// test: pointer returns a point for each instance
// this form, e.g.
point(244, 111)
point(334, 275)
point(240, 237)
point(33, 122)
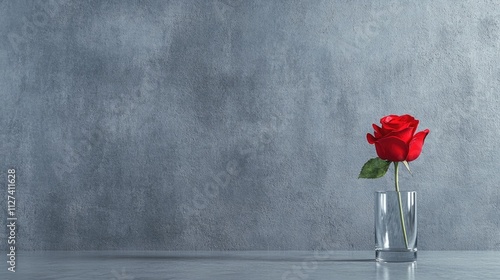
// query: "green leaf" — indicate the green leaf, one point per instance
point(374, 168)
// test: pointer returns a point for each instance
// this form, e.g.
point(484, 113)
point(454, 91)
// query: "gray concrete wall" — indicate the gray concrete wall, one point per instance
point(240, 125)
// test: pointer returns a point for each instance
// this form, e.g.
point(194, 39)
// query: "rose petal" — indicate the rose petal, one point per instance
point(414, 125)
point(378, 131)
point(391, 148)
point(406, 118)
point(416, 144)
point(388, 119)
point(405, 135)
point(370, 138)
point(396, 123)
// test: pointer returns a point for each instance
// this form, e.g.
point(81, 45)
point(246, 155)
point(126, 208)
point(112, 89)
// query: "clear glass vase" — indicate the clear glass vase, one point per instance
point(396, 226)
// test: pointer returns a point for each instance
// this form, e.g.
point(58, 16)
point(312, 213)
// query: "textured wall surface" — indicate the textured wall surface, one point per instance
point(231, 124)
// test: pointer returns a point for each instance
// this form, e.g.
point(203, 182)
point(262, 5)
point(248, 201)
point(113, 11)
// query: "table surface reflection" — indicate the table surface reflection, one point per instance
point(292, 265)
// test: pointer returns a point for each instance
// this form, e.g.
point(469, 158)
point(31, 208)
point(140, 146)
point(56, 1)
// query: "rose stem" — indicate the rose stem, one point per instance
point(396, 180)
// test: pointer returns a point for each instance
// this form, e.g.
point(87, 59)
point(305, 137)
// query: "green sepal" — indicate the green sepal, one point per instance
point(374, 168)
point(407, 166)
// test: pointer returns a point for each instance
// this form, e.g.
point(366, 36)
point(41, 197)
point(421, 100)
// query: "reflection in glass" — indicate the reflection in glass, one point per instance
point(396, 271)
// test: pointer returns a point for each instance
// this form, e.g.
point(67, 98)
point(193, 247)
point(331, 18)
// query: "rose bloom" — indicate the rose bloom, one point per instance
point(396, 139)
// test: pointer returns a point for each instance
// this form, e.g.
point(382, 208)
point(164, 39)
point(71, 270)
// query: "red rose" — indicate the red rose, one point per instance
point(396, 139)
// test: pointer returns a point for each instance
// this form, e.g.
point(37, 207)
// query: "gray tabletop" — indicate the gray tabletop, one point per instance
point(292, 265)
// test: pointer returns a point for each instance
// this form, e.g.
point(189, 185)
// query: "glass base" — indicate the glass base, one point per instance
point(396, 255)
